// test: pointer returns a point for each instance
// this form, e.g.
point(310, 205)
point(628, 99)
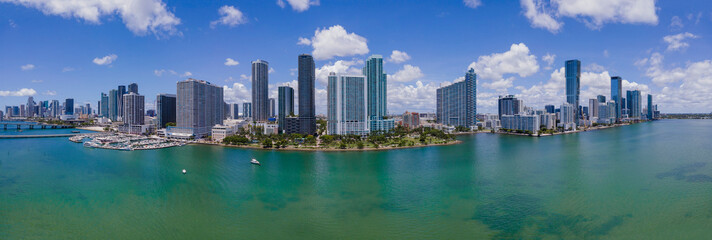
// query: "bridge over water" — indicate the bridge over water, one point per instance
point(33, 125)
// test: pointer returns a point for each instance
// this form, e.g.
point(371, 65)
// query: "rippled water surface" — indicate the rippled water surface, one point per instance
point(646, 181)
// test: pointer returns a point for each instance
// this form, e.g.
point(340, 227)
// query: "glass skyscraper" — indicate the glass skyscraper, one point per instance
point(104, 105)
point(134, 109)
point(376, 84)
point(573, 86)
point(510, 105)
point(133, 88)
point(246, 110)
point(165, 109)
point(120, 101)
point(307, 107)
point(616, 96)
point(69, 106)
point(650, 107)
point(199, 106)
point(634, 104)
point(113, 104)
point(285, 105)
point(260, 97)
point(457, 103)
point(346, 96)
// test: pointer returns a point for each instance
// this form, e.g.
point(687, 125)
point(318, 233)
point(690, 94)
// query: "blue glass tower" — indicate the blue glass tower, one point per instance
point(573, 86)
point(616, 94)
point(307, 106)
point(376, 86)
point(285, 104)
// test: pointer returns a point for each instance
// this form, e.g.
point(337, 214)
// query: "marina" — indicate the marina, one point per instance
point(124, 142)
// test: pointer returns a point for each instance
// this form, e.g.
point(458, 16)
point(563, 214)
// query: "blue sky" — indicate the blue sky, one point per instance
point(55, 50)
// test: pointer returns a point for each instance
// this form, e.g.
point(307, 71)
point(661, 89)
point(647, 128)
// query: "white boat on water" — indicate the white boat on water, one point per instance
point(254, 161)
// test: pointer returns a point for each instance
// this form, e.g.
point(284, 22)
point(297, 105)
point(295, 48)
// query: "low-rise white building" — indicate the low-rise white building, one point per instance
point(220, 132)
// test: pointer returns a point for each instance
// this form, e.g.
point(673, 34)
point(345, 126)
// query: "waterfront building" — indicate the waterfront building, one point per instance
point(247, 110)
point(234, 110)
point(650, 108)
point(199, 107)
point(133, 109)
point(634, 104)
point(376, 96)
point(69, 106)
point(121, 90)
point(30, 107)
point(291, 125)
point(509, 105)
point(285, 108)
point(529, 123)
point(165, 109)
point(307, 108)
point(547, 120)
point(550, 108)
point(592, 108)
point(568, 116)
point(410, 120)
point(457, 103)
point(104, 105)
point(573, 86)
point(346, 98)
point(220, 132)
point(133, 88)
point(272, 109)
point(617, 96)
point(260, 97)
point(113, 105)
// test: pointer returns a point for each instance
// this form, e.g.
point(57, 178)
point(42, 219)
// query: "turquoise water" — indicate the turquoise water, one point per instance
point(646, 181)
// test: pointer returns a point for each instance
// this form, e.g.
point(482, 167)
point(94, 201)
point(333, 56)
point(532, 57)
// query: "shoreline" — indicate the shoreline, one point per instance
point(563, 133)
point(326, 149)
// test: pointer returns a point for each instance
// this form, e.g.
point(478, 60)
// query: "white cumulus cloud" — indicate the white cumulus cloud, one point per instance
point(139, 16)
point(24, 92)
point(416, 97)
point(472, 3)
point(341, 66)
point(677, 41)
point(335, 42)
point(407, 74)
point(298, 5)
point(229, 16)
point(546, 14)
point(549, 59)
point(399, 57)
point(27, 67)
point(517, 60)
point(231, 62)
point(106, 60)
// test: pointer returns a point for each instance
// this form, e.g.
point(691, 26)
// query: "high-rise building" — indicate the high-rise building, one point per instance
point(307, 106)
point(199, 107)
point(568, 116)
point(87, 109)
point(114, 105)
point(134, 109)
point(376, 84)
point(509, 105)
point(650, 108)
point(69, 106)
point(550, 108)
point(601, 98)
point(457, 103)
point(573, 86)
point(133, 88)
point(410, 120)
point(30, 107)
point(347, 102)
point(634, 104)
point(104, 105)
point(247, 110)
point(272, 107)
point(260, 98)
point(234, 110)
point(121, 90)
point(165, 109)
point(55, 109)
point(592, 108)
point(285, 99)
point(616, 96)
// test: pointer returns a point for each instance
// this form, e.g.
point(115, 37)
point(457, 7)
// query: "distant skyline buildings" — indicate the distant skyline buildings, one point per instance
point(285, 105)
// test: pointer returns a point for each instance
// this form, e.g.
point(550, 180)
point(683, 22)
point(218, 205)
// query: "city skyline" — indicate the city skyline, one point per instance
point(650, 55)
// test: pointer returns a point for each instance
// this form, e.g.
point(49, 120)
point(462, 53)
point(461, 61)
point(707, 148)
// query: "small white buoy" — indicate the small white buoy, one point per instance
point(184, 171)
